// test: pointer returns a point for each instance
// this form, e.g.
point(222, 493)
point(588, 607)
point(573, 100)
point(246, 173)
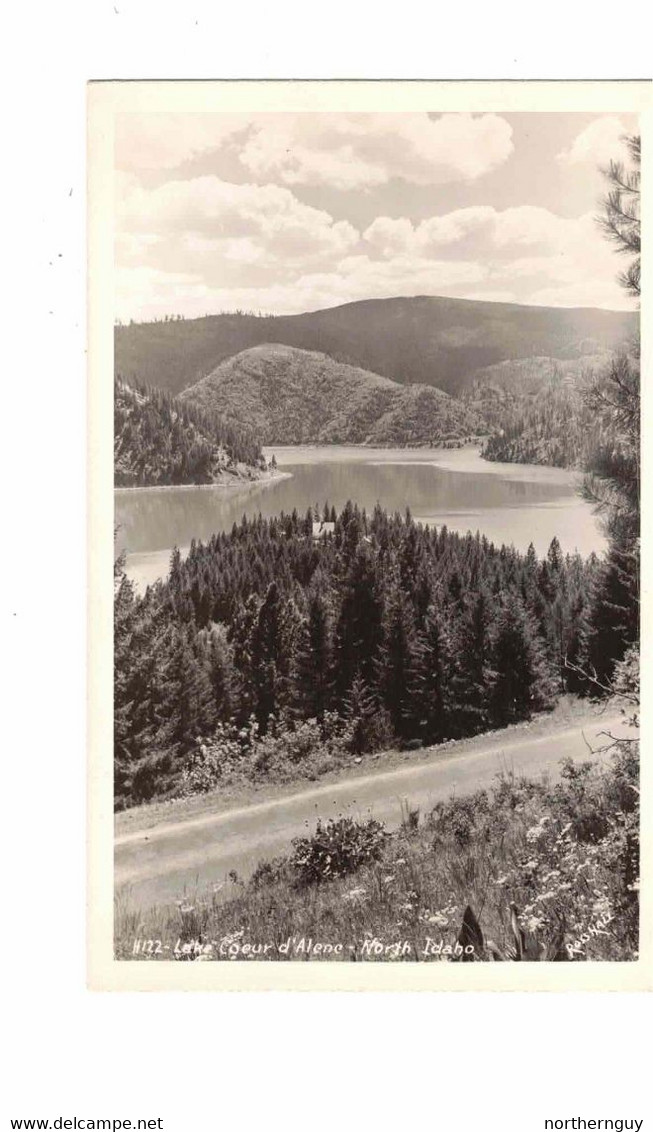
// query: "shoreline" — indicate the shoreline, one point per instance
point(221, 484)
point(448, 459)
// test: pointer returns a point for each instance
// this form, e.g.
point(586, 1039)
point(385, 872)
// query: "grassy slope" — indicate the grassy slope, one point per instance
point(565, 856)
point(291, 396)
point(428, 339)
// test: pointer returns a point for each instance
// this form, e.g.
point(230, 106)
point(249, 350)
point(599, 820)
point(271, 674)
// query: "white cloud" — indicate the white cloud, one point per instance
point(388, 236)
point(204, 245)
point(349, 151)
point(266, 217)
point(486, 228)
point(145, 293)
point(344, 151)
point(165, 141)
point(597, 144)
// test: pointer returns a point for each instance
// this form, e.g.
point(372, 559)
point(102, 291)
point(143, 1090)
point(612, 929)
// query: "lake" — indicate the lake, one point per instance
point(511, 503)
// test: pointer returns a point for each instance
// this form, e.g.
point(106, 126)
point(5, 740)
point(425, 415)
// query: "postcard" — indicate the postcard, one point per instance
point(364, 536)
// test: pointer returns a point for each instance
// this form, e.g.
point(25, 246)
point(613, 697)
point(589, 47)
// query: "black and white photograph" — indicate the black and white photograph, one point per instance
point(371, 377)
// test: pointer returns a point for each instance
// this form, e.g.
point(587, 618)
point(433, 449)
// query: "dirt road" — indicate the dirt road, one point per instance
point(173, 859)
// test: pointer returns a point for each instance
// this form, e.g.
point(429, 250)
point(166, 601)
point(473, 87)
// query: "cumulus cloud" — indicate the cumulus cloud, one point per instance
point(156, 294)
point(264, 217)
point(597, 144)
point(165, 141)
point(203, 244)
point(530, 254)
point(343, 151)
point(489, 232)
point(358, 151)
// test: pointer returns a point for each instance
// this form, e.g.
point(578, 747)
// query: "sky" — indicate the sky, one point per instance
point(282, 213)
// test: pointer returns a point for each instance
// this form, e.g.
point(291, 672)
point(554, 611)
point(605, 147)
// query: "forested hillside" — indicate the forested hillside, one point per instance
point(426, 339)
point(536, 410)
point(540, 413)
point(291, 396)
point(288, 654)
point(158, 440)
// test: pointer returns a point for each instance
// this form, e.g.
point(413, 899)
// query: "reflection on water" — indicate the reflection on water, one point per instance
point(465, 494)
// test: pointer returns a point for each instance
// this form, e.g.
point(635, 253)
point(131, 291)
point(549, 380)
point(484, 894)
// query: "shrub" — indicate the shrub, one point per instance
point(217, 759)
point(268, 873)
point(288, 749)
point(458, 818)
point(336, 849)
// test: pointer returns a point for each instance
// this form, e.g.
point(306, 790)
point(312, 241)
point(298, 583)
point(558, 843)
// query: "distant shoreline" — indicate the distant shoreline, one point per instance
point(225, 485)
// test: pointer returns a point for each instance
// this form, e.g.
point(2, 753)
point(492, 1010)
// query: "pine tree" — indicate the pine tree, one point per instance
point(239, 636)
point(266, 653)
point(613, 617)
point(123, 619)
point(186, 708)
point(360, 708)
point(472, 676)
point(522, 682)
point(312, 676)
point(612, 481)
point(396, 658)
point(221, 671)
point(432, 679)
point(620, 220)
point(358, 629)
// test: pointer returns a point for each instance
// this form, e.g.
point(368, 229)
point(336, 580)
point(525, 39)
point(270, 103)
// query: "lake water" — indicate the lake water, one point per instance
point(511, 503)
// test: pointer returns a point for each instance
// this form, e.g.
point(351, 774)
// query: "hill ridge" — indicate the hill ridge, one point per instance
point(294, 396)
point(428, 340)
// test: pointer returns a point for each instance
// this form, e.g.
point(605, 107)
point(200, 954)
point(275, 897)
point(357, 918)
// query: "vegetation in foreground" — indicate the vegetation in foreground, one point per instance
point(550, 873)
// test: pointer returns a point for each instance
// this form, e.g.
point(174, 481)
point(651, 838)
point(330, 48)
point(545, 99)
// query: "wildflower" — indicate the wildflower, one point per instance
point(602, 906)
point(354, 893)
point(551, 876)
point(535, 832)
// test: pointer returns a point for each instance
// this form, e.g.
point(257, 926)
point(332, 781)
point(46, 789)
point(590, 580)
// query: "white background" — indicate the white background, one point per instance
point(203, 1062)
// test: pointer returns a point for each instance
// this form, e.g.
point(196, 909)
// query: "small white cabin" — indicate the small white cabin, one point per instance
point(322, 530)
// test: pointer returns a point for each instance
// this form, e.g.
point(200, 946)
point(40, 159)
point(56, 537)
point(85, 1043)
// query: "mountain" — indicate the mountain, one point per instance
point(158, 440)
point(292, 396)
point(425, 339)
